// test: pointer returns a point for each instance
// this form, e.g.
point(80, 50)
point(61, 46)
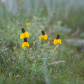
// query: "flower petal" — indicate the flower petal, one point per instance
point(26, 34)
point(27, 44)
point(55, 42)
point(27, 24)
point(22, 36)
point(45, 37)
point(22, 44)
point(60, 41)
point(40, 37)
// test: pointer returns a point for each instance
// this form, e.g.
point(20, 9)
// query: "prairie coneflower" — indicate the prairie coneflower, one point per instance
point(25, 43)
point(27, 23)
point(24, 34)
point(57, 40)
point(43, 36)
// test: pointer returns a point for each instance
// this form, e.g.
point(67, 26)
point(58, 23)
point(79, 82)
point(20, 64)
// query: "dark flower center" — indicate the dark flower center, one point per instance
point(43, 33)
point(23, 30)
point(57, 36)
point(25, 40)
point(27, 21)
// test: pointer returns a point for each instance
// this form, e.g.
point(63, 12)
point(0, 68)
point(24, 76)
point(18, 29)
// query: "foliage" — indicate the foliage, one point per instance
point(42, 62)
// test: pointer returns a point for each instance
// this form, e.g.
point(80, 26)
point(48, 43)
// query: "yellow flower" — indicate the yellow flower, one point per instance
point(57, 41)
point(25, 34)
point(27, 24)
point(25, 44)
point(43, 36)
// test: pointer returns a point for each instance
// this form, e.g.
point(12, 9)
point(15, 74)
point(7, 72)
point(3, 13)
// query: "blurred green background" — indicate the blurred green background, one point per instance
point(64, 17)
point(70, 12)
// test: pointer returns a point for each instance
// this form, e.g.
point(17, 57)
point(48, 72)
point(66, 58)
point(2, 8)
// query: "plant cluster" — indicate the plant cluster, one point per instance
point(43, 36)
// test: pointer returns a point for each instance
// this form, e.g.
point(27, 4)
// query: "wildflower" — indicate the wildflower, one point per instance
point(25, 43)
point(24, 34)
point(57, 40)
point(27, 23)
point(43, 36)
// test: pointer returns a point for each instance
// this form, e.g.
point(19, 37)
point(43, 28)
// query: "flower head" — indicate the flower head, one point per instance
point(27, 23)
point(57, 40)
point(24, 34)
point(25, 43)
point(43, 36)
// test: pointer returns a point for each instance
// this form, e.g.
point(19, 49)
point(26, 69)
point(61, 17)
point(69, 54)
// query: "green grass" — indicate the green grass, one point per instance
point(37, 64)
point(40, 63)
